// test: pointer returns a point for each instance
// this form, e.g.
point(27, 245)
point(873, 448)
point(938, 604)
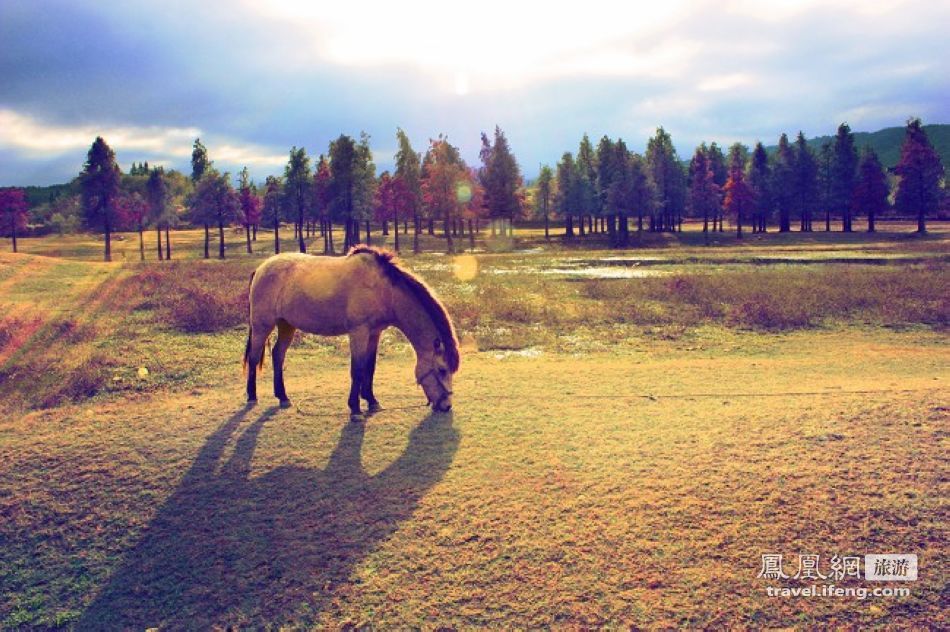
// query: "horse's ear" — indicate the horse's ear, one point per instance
point(437, 344)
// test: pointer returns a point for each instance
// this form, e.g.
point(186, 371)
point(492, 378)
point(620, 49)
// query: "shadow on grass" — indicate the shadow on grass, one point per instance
point(226, 549)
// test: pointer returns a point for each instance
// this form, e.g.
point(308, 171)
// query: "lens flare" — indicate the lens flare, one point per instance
point(465, 267)
point(463, 192)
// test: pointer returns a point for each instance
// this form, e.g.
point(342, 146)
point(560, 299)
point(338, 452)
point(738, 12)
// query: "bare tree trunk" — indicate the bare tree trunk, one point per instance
point(247, 236)
point(141, 243)
point(276, 236)
point(158, 229)
point(471, 236)
point(254, 236)
point(108, 255)
point(415, 234)
point(13, 229)
point(168, 245)
point(220, 239)
point(369, 238)
point(207, 241)
point(301, 243)
point(396, 229)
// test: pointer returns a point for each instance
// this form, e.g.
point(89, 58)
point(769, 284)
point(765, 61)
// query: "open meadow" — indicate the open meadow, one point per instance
point(632, 431)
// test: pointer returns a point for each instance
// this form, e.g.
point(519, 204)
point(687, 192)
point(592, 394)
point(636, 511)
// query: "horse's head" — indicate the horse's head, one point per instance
point(435, 377)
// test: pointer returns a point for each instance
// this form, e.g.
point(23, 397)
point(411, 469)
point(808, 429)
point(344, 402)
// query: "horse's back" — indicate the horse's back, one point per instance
point(311, 293)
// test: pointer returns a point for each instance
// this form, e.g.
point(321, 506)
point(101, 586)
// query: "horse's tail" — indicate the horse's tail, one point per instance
point(247, 346)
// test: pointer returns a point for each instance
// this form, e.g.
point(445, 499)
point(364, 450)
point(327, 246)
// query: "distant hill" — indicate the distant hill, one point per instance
point(886, 143)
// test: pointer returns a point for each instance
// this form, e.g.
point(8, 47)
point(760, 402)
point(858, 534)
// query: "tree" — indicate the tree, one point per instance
point(100, 188)
point(920, 171)
point(760, 181)
point(704, 193)
point(135, 211)
point(200, 164)
point(826, 181)
point(364, 187)
point(297, 189)
point(717, 164)
point(642, 191)
point(870, 189)
point(844, 165)
point(669, 181)
point(271, 211)
point(157, 196)
point(215, 202)
point(443, 170)
point(501, 179)
point(385, 201)
point(250, 207)
point(739, 197)
point(545, 195)
point(588, 200)
point(806, 182)
point(322, 200)
point(343, 160)
point(13, 208)
point(783, 183)
point(408, 173)
point(567, 200)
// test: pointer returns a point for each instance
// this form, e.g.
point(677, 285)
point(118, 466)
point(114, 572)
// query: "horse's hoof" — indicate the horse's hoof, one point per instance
point(285, 403)
point(373, 408)
point(357, 418)
point(251, 403)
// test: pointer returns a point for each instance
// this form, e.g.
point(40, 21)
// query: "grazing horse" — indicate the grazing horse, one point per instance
point(361, 295)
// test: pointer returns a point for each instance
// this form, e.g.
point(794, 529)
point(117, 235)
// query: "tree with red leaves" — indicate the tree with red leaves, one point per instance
point(100, 188)
point(13, 209)
point(384, 201)
point(443, 170)
point(739, 197)
point(703, 194)
point(870, 188)
point(920, 172)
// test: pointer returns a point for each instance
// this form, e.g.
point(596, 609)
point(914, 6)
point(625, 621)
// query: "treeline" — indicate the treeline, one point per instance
point(606, 189)
point(603, 189)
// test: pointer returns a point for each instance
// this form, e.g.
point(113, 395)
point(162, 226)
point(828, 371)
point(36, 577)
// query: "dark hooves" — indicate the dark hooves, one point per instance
point(373, 408)
point(251, 403)
point(357, 417)
point(285, 403)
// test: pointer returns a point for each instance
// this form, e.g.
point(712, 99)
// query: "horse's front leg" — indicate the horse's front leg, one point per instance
point(359, 341)
point(368, 371)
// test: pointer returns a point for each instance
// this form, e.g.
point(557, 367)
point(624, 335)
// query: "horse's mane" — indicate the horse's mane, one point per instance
point(399, 275)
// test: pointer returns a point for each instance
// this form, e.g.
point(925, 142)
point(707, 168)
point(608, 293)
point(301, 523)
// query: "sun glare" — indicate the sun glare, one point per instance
point(465, 267)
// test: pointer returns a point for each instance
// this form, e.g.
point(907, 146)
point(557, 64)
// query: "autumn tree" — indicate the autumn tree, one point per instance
point(384, 201)
point(250, 207)
point(443, 170)
point(921, 172)
point(870, 188)
point(739, 198)
point(13, 212)
point(100, 188)
point(544, 196)
point(844, 168)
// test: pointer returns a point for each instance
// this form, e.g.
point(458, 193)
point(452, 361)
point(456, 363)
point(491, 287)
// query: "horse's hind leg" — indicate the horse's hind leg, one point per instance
point(285, 335)
point(256, 339)
point(369, 369)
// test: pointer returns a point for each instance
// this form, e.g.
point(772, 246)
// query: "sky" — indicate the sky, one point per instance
point(252, 79)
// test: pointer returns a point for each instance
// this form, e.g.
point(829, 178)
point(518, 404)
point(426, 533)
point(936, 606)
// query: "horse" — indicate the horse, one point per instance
point(360, 294)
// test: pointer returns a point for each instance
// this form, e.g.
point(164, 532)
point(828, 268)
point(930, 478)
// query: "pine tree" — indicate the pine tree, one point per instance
point(783, 183)
point(157, 192)
point(544, 196)
point(566, 201)
point(408, 166)
point(760, 181)
point(870, 190)
point(297, 178)
point(100, 189)
point(844, 167)
point(920, 170)
point(738, 194)
point(806, 182)
point(669, 181)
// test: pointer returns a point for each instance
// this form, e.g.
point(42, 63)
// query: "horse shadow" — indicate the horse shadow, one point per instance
point(226, 549)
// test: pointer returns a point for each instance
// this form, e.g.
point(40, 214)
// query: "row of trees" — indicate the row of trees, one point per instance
point(602, 188)
point(598, 189)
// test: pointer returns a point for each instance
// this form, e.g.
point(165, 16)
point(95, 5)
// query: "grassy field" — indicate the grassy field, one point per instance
point(632, 431)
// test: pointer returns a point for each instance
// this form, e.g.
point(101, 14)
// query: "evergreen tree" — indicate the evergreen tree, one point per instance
point(921, 172)
point(844, 167)
point(271, 211)
point(408, 167)
point(567, 199)
point(806, 182)
point(215, 202)
point(826, 182)
point(587, 183)
point(200, 164)
point(717, 164)
point(738, 201)
point(704, 193)
point(500, 177)
point(669, 181)
point(100, 189)
point(760, 181)
point(783, 183)
point(545, 196)
point(323, 200)
point(870, 190)
point(343, 167)
point(158, 199)
point(297, 189)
